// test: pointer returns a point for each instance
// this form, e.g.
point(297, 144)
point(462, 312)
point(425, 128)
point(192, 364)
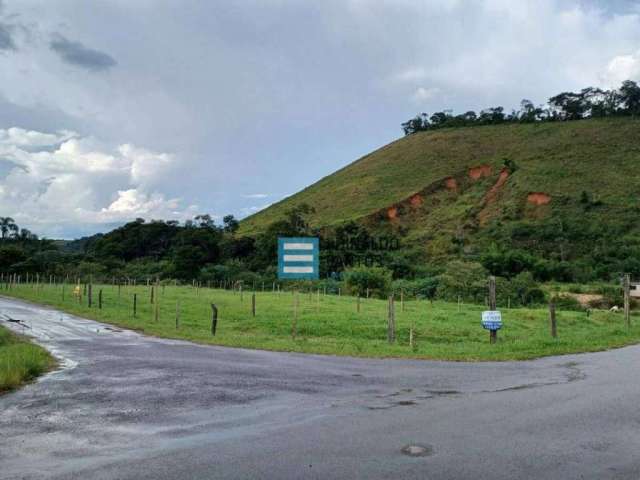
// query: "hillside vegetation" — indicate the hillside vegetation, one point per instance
point(555, 188)
point(600, 157)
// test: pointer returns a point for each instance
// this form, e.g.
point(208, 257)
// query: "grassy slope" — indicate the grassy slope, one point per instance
point(561, 159)
point(20, 360)
point(334, 327)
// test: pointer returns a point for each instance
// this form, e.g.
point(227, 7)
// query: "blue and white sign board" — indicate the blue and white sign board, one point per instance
point(298, 258)
point(491, 320)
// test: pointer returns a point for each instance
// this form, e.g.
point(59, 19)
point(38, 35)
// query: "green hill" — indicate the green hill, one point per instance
point(552, 186)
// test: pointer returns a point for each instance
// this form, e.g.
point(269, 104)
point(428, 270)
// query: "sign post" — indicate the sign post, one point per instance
point(492, 321)
point(492, 318)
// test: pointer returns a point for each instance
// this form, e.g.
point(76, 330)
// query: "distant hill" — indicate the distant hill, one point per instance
point(553, 187)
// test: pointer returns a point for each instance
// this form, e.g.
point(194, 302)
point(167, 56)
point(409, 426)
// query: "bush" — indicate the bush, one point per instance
point(465, 279)
point(565, 302)
point(419, 288)
point(358, 279)
point(535, 296)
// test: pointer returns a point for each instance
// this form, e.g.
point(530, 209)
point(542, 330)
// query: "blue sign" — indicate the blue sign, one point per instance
point(298, 258)
point(491, 320)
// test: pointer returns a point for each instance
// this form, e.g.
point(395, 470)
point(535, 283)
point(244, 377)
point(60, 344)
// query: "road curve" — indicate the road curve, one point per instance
point(128, 406)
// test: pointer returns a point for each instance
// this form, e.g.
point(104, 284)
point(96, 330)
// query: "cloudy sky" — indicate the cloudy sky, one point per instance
point(117, 109)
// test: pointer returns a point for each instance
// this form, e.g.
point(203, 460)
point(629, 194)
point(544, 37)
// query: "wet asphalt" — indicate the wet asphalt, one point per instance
point(127, 406)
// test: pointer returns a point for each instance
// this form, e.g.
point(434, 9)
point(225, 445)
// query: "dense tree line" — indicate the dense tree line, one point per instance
point(198, 249)
point(588, 103)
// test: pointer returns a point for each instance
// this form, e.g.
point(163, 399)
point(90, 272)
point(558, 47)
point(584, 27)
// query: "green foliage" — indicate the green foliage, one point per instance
point(11, 255)
point(20, 360)
point(566, 302)
point(467, 280)
point(360, 278)
point(420, 288)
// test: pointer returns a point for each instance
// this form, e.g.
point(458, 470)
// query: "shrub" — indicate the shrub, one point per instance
point(360, 278)
point(565, 302)
point(535, 296)
point(465, 279)
point(420, 288)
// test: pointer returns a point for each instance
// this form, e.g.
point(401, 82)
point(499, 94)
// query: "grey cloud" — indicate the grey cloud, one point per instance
point(6, 38)
point(75, 53)
point(7, 165)
point(39, 117)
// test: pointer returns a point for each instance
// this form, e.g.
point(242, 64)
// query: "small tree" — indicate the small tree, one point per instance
point(377, 280)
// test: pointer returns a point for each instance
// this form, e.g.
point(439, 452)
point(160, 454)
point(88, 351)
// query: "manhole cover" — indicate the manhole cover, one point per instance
point(416, 450)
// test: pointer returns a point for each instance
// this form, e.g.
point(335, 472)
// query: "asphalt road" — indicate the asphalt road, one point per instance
point(127, 406)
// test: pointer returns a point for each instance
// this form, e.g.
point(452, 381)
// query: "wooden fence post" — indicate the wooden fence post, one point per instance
point(89, 295)
point(177, 314)
point(358, 304)
point(493, 334)
point(412, 335)
point(214, 319)
point(552, 318)
point(100, 299)
point(294, 321)
point(391, 327)
point(627, 300)
point(253, 304)
point(135, 304)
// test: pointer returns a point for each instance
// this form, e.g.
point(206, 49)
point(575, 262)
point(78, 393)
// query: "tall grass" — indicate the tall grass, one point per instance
point(330, 324)
point(20, 360)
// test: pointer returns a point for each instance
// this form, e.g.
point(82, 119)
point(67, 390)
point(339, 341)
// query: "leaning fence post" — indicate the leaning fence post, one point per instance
point(214, 319)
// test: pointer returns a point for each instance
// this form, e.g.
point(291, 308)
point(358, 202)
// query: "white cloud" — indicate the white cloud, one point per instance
point(145, 166)
point(423, 94)
point(256, 195)
point(63, 178)
point(27, 138)
point(621, 68)
point(246, 211)
point(412, 74)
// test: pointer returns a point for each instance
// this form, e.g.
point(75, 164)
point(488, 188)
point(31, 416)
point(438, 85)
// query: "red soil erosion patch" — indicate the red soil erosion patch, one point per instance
point(481, 171)
point(416, 200)
point(451, 184)
point(538, 198)
point(491, 195)
point(392, 213)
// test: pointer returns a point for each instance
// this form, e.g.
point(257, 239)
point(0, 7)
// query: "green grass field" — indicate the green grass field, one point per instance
point(20, 360)
point(331, 325)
